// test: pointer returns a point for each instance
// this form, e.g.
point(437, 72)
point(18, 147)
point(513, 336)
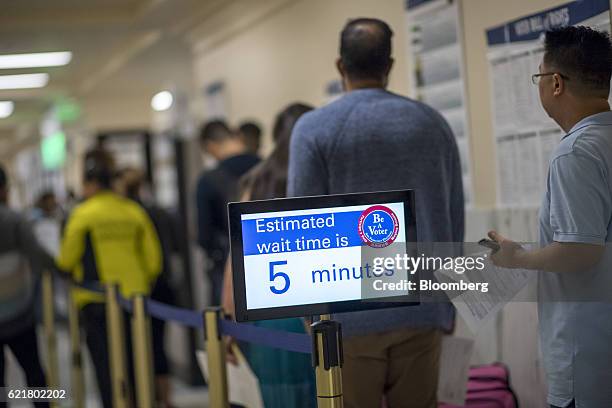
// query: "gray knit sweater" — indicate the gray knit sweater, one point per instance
point(374, 140)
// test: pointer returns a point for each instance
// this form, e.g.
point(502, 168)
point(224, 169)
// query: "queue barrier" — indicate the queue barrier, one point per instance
point(116, 348)
point(77, 379)
point(48, 317)
point(143, 353)
point(279, 339)
point(326, 343)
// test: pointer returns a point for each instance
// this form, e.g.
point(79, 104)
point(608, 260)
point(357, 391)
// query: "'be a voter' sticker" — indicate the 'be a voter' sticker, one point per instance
point(378, 226)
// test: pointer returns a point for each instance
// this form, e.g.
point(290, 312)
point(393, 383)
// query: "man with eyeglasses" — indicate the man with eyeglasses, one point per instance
point(575, 278)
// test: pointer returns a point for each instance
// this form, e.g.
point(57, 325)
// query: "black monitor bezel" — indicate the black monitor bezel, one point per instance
point(235, 210)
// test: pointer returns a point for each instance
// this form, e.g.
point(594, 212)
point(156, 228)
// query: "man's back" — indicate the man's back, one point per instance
point(215, 189)
point(21, 260)
point(373, 140)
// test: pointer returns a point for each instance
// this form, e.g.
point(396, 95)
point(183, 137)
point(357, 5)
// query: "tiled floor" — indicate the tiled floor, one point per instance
point(184, 396)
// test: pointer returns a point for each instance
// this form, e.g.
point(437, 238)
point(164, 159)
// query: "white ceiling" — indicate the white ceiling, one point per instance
point(122, 49)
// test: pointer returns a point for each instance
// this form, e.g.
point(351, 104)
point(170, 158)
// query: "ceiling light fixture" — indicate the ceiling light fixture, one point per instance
point(6, 109)
point(23, 81)
point(162, 101)
point(35, 60)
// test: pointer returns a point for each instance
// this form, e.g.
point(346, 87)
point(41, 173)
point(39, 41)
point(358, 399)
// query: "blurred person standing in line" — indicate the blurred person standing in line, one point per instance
point(21, 263)
point(286, 379)
point(215, 189)
point(48, 219)
point(130, 184)
point(109, 239)
point(251, 135)
point(574, 258)
point(373, 140)
point(47, 206)
point(71, 201)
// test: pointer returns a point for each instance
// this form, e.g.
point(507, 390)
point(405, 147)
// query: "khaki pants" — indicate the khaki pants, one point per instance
point(402, 364)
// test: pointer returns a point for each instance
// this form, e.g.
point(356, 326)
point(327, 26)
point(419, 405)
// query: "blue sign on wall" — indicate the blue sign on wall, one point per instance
point(530, 27)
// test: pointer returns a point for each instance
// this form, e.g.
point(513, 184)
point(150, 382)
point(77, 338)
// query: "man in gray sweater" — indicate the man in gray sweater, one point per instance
point(373, 140)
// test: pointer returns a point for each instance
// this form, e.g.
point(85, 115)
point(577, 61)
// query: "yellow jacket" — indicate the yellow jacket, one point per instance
point(109, 238)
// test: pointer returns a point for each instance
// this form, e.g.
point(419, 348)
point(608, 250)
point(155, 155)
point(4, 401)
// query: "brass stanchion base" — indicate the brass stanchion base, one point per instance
point(49, 330)
point(215, 350)
point(327, 360)
point(116, 342)
point(76, 367)
point(143, 357)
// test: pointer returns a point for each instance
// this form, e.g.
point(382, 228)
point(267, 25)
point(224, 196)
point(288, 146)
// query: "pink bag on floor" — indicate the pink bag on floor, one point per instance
point(488, 387)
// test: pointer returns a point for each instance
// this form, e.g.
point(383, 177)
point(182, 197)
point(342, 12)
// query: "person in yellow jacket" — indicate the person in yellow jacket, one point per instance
point(108, 239)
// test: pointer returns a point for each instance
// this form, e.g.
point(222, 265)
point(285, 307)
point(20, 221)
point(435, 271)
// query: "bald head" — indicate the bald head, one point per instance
point(365, 49)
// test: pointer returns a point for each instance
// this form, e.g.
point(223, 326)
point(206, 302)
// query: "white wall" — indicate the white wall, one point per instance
point(289, 55)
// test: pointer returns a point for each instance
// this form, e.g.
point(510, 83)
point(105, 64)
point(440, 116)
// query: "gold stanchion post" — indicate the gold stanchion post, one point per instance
point(116, 346)
point(215, 350)
point(76, 360)
point(143, 356)
point(327, 360)
point(49, 330)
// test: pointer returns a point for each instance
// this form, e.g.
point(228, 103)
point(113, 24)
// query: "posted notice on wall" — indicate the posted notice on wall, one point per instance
point(524, 134)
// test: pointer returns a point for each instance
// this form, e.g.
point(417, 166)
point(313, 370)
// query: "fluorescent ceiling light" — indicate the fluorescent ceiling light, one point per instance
point(34, 60)
point(22, 81)
point(162, 101)
point(6, 109)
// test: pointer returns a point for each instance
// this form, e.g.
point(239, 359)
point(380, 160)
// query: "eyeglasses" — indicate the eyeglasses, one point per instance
point(535, 78)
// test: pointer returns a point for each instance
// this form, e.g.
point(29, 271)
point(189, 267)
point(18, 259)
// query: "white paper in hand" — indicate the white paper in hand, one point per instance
point(477, 307)
point(454, 367)
point(242, 383)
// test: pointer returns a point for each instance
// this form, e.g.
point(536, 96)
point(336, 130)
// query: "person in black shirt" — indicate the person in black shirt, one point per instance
point(215, 189)
point(251, 134)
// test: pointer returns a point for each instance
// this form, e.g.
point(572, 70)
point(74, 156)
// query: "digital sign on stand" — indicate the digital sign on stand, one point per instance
point(313, 255)
point(317, 256)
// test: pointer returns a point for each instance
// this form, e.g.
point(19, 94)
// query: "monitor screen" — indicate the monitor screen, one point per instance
point(316, 255)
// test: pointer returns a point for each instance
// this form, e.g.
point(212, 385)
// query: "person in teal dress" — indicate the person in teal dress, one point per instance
point(286, 378)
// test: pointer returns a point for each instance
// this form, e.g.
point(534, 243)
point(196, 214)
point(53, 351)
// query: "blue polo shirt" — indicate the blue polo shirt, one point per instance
point(575, 321)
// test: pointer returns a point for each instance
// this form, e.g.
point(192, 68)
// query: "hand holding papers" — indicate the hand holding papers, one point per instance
point(476, 307)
